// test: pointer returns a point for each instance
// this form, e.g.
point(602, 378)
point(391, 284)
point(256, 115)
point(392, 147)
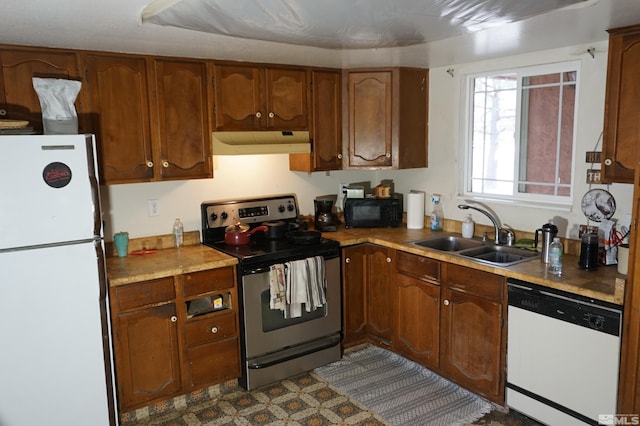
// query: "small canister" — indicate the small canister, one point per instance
point(588, 252)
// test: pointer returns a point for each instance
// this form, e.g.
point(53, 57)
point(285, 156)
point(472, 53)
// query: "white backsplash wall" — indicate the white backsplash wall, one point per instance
point(125, 206)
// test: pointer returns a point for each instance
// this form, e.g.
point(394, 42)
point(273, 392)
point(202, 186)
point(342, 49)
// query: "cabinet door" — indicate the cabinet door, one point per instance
point(238, 104)
point(183, 119)
point(18, 98)
point(118, 99)
point(326, 131)
point(370, 119)
point(622, 107)
point(380, 292)
point(417, 325)
point(353, 279)
point(286, 99)
point(146, 354)
point(471, 336)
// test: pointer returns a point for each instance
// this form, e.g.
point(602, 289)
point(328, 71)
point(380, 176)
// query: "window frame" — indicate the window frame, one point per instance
point(516, 198)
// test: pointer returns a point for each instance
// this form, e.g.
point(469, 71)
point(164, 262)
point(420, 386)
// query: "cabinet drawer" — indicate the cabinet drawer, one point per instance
point(214, 363)
point(479, 283)
point(418, 266)
point(207, 281)
point(144, 293)
point(210, 329)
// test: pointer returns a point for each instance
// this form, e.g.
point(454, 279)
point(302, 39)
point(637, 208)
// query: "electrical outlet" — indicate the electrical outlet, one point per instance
point(153, 207)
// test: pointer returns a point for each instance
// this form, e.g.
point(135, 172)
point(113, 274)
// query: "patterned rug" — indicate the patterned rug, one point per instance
point(401, 391)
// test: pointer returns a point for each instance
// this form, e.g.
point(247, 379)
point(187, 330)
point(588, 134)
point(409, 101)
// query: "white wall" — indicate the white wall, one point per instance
point(125, 206)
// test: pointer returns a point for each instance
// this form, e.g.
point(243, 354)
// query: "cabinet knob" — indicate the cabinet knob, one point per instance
point(174, 318)
point(3, 112)
point(608, 162)
point(446, 302)
point(258, 114)
point(165, 164)
point(347, 260)
point(271, 115)
point(149, 164)
point(387, 155)
point(339, 156)
point(214, 329)
point(388, 260)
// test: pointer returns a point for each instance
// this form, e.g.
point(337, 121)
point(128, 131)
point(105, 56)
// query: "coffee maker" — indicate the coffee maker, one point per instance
point(325, 218)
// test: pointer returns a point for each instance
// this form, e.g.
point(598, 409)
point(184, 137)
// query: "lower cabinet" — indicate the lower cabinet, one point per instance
point(472, 333)
point(418, 311)
point(174, 335)
point(446, 317)
point(368, 294)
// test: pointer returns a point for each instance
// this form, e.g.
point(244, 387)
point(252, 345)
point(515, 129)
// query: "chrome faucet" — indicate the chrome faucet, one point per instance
point(487, 214)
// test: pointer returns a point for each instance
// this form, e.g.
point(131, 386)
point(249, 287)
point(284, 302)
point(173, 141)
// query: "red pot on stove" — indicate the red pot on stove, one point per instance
point(239, 233)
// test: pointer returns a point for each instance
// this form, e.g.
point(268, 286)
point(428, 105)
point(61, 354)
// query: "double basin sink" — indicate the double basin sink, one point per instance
point(483, 252)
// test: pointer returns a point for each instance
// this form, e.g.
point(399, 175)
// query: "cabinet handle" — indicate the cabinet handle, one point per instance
point(339, 156)
point(387, 155)
point(446, 302)
point(258, 114)
point(214, 329)
point(174, 318)
point(347, 260)
point(149, 164)
point(271, 115)
point(608, 162)
point(165, 164)
point(388, 260)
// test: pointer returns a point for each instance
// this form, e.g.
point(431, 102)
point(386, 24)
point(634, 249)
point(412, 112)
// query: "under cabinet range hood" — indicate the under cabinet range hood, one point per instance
point(260, 142)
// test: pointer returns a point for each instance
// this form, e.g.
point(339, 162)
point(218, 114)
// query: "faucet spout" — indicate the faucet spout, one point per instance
point(487, 214)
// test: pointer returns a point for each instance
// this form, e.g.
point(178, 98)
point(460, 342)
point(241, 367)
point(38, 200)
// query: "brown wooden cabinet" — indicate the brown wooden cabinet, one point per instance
point(621, 137)
point(18, 99)
point(326, 130)
point(170, 338)
point(150, 116)
point(417, 324)
point(369, 294)
point(472, 336)
point(256, 97)
point(387, 118)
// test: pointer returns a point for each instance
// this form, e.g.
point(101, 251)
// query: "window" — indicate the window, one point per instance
point(520, 139)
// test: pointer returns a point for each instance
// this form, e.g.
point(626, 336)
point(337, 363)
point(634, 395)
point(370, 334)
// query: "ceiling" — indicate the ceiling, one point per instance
point(117, 25)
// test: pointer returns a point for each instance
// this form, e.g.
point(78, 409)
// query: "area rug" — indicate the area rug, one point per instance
point(401, 391)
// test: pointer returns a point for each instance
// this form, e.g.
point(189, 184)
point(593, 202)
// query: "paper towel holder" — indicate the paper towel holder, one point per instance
point(415, 209)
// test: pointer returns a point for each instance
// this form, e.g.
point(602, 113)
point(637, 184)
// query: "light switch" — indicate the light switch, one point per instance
point(153, 207)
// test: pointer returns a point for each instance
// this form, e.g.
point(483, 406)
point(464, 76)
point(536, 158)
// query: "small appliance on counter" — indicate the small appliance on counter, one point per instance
point(325, 219)
point(373, 212)
point(548, 231)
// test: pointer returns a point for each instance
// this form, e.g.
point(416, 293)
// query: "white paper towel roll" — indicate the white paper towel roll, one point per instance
point(415, 209)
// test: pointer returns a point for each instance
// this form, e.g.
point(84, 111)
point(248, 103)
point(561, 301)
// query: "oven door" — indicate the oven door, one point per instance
point(267, 331)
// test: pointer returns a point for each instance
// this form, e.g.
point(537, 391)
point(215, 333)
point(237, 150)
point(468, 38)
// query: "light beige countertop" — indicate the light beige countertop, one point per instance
point(603, 284)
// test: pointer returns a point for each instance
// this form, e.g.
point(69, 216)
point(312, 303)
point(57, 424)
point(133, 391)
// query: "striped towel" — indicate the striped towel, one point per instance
point(296, 283)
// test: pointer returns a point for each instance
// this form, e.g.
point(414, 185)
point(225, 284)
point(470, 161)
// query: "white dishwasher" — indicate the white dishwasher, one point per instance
point(563, 354)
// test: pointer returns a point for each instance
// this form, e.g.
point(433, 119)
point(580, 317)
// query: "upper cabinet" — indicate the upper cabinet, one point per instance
point(255, 97)
point(150, 116)
point(18, 99)
point(117, 94)
point(326, 131)
point(387, 118)
point(622, 106)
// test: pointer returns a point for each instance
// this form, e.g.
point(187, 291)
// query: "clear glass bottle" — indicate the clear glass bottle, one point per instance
point(555, 257)
point(178, 233)
point(436, 213)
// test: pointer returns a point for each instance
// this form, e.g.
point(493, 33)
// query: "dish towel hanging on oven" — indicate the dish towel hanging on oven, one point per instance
point(295, 283)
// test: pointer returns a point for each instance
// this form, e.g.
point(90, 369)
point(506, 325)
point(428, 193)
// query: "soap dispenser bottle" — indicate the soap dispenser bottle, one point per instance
point(467, 227)
point(436, 213)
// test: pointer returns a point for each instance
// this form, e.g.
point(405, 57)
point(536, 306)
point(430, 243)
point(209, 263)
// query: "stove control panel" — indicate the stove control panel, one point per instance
point(217, 214)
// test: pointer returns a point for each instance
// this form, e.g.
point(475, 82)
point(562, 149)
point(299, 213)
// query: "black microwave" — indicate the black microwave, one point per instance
point(373, 212)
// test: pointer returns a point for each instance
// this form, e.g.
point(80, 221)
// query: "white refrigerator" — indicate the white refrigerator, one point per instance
point(55, 342)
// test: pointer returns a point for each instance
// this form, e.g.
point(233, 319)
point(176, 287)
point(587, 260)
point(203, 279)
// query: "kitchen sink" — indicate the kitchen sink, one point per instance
point(499, 255)
point(484, 252)
point(449, 243)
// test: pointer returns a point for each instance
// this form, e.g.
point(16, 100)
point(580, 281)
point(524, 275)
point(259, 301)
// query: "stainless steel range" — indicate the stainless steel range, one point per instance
point(275, 346)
